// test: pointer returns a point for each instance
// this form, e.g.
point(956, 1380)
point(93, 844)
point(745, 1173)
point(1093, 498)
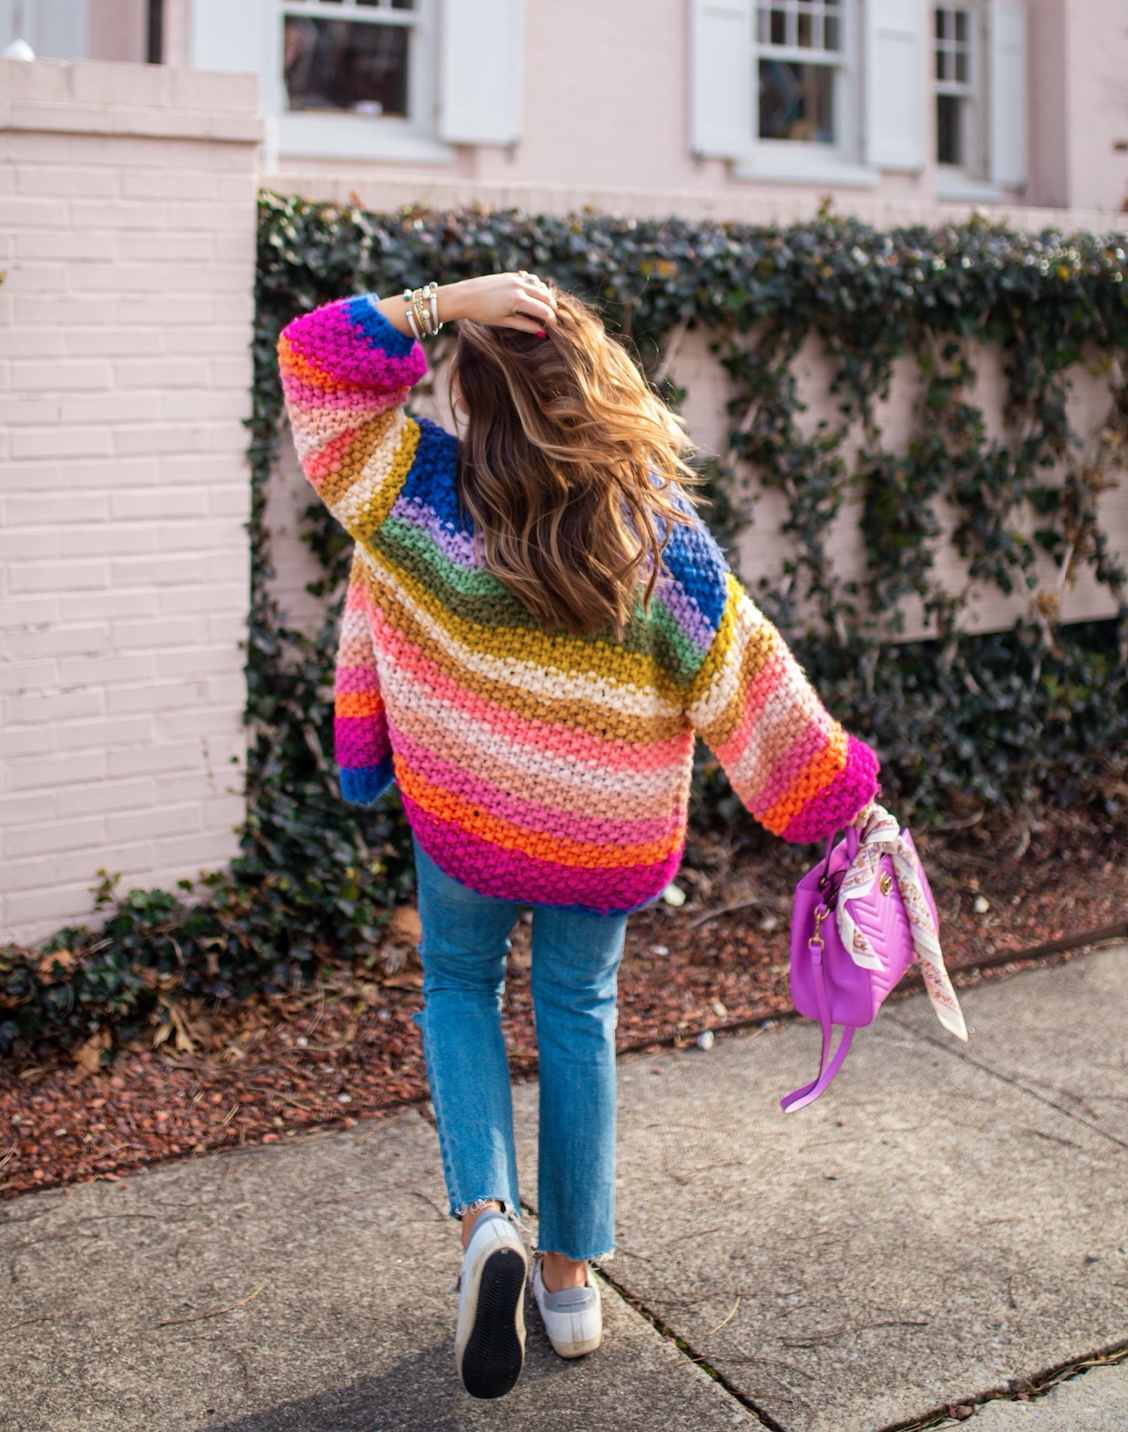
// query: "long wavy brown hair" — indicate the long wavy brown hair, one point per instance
point(573, 470)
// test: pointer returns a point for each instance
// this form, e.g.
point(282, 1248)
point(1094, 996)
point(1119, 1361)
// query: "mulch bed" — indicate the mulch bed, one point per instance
point(272, 1067)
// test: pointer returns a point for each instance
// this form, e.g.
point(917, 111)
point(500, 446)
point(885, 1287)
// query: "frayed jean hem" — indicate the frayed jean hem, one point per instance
point(476, 1205)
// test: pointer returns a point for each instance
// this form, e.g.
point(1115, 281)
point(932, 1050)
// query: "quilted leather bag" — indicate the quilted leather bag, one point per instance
point(860, 919)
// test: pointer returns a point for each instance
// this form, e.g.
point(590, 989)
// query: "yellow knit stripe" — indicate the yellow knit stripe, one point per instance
point(553, 668)
point(363, 508)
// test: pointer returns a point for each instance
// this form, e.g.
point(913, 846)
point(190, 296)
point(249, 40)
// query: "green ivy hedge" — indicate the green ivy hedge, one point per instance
point(963, 724)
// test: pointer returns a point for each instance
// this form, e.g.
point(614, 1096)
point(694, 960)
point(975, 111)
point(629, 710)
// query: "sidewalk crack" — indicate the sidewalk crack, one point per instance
point(689, 1352)
point(1010, 1079)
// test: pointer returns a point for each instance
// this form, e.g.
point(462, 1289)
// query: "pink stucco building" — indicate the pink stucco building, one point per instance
point(975, 101)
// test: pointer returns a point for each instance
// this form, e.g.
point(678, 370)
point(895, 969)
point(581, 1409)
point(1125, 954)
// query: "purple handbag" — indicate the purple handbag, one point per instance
point(827, 983)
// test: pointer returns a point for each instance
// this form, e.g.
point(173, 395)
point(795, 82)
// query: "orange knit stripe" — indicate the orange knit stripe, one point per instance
point(291, 361)
point(815, 778)
point(446, 806)
point(358, 703)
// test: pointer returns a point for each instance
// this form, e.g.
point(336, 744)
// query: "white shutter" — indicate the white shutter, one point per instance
point(894, 87)
point(1007, 94)
point(720, 83)
point(233, 34)
point(480, 72)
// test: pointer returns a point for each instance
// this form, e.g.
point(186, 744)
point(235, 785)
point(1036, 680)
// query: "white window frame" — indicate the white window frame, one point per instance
point(968, 180)
point(309, 134)
point(807, 162)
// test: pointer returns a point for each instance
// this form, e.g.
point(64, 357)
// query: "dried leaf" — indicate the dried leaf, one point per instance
point(405, 979)
point(65, 959)
point(87, 1056)
point(177, 1028)
point(405, 926)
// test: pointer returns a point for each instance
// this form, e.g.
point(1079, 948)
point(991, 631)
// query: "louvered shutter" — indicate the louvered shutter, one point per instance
point(893, 81)
point(480, 71)
point(1007, 94)
point(721, 78)
point(233, 34)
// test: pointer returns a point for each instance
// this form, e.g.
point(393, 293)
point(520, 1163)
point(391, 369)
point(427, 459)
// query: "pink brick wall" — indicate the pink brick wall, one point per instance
point(127, 236)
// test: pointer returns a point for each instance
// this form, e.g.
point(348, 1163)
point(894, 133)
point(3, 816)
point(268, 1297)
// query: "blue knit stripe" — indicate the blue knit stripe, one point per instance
point(361, 785)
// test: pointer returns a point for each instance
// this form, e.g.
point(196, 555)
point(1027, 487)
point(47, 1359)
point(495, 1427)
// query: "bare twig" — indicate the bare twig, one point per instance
point(216, 1313)
point(769, 902)
point(732, 1314)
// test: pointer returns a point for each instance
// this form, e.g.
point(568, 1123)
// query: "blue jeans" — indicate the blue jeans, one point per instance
point(575, 961)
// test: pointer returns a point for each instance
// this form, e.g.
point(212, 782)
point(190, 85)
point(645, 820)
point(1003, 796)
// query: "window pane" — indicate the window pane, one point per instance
point(796, 102)
point(779, 27)
point(949, 129)
point(940, 18)
point(830, 32)
point(941, 64)
point(342, 65)
point(961, 27)
point(963, 67)
point(806, 32)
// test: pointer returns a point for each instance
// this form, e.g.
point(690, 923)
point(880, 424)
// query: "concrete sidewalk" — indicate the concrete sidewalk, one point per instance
point(946, 1222)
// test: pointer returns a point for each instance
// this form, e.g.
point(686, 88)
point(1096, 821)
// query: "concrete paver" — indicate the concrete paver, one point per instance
point(1062, 1039)
point(1095, 1402)
point(924, 1233)
point(341, 1255)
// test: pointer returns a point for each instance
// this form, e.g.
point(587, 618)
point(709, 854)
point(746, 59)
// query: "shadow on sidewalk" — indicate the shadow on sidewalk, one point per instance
point(423, 1392)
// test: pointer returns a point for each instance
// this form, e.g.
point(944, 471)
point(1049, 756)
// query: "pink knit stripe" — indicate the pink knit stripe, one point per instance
point(353, 679)
point(511, 875)
point(564, 787)
point(792, 764)
point(779, 753)
point(360, 741)
point(318, 403)
point(837, 805)
point(533, 735)
point(331, 331)
point(764, 686)
point(602, 830)
point(318, 465)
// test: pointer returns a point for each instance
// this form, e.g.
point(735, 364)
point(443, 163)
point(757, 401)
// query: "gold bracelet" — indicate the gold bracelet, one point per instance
point(420, 311)
point(411, 323)
point(421, 306)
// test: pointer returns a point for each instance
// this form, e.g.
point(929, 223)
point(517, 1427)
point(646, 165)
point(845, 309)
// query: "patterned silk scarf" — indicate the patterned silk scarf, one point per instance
point(882, 836)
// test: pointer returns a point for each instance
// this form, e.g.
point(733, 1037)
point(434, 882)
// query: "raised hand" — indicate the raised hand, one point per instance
point(503, 300)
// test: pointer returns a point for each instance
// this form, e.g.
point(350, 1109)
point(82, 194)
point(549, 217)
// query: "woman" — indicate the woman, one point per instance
point(537, 624)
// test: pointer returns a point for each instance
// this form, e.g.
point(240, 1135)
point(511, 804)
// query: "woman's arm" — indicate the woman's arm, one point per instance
point(505, 300)
point(346, 372)
point(792, 765)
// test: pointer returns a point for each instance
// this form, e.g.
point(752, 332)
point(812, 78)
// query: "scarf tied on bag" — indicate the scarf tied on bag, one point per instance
point(882, 836)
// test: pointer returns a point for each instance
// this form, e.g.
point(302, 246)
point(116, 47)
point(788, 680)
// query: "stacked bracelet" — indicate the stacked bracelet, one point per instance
point(422, 308)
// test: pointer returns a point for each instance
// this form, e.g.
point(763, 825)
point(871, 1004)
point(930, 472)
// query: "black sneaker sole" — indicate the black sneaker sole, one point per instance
point(492, 1358)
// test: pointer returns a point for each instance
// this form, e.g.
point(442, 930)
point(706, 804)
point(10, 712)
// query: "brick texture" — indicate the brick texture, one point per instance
point(128, 242)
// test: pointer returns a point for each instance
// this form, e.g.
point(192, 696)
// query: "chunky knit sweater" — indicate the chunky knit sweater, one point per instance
point(533, 765)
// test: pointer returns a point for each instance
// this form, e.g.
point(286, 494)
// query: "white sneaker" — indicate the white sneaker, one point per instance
point(573, 1318)
point(489, 1342)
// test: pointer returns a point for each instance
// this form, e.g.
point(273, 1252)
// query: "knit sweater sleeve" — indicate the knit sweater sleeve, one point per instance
point(794, 767)
point(346, 373)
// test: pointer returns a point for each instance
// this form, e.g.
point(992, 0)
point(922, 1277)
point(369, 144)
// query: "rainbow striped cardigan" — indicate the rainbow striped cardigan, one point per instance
point(533, 765)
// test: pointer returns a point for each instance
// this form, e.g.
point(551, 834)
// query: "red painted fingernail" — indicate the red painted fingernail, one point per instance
point(541, 333)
